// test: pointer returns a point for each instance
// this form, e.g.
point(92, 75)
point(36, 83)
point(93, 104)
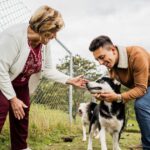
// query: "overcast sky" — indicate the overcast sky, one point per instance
point(126, 22)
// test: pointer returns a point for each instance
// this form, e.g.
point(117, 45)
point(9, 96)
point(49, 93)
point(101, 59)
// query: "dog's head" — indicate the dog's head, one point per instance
point(105, 84)
point(82, 108)
point(87, 108)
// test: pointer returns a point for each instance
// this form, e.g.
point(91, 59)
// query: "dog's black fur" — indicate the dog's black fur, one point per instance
point(90, 110)
point(105, 112)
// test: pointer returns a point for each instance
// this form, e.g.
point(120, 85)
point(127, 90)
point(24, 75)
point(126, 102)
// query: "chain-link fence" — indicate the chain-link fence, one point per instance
point(52, 94)
point(12, 12)
point(49, 93)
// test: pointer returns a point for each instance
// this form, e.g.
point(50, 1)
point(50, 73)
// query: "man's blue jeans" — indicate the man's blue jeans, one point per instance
point(142, 110)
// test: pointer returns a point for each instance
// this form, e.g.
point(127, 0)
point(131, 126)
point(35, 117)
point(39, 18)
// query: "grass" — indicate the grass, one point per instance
point(134, 128)
point(127, 140)
point(47, 127)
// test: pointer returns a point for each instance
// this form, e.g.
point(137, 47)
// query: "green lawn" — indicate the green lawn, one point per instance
point(47, 127)
point(127, 140)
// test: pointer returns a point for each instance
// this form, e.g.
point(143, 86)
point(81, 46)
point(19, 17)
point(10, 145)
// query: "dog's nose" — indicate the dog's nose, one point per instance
point(80, 111)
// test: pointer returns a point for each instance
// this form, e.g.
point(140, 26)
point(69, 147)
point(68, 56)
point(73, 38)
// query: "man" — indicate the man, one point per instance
point(131, 66)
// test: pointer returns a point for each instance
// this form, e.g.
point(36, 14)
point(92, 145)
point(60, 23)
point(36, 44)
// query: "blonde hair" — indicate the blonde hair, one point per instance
point(46, 19)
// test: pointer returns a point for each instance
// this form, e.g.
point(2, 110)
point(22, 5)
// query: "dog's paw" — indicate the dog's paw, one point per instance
point(118, 148)
point(84, 140)
point(89, 148)
point(97, 136)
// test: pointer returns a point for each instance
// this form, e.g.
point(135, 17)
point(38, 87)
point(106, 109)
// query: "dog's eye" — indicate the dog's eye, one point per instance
point(100, 81)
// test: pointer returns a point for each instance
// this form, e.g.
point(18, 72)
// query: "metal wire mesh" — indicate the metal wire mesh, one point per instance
point(52, 94)
point(49, 93)
point(12, 12)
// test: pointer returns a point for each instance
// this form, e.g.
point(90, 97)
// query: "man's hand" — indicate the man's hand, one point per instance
point(78, 81)
point(18, 108)
point(106, 96)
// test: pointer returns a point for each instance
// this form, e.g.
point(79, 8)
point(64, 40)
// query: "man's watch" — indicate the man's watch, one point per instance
point(119, 98)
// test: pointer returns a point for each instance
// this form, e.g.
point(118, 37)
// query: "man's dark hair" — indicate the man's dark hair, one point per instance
point(100, 41)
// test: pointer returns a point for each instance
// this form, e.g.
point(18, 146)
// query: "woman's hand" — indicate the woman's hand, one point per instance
point(78, 81)
point(106, 96)
point(18, 108)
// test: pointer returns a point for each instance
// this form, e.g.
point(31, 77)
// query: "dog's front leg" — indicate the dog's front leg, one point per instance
point(103, 139)
point(84, 132)
point(96, 134)
point(90, 142)
point(116, 141)
point(90, 137)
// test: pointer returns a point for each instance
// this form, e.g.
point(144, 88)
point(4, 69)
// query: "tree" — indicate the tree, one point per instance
point(81, 66)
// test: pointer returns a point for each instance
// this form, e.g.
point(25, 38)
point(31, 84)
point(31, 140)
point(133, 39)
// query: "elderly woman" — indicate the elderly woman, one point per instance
point(24, 59)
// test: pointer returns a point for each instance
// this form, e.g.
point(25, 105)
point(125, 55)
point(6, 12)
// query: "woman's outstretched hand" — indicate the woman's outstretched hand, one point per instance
point(78, 81)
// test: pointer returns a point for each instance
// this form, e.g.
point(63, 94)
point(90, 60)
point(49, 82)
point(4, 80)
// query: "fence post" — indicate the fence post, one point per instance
point(71, 74)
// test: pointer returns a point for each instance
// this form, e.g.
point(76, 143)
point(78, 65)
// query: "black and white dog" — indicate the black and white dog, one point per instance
point(86, 110)
point(107, 116)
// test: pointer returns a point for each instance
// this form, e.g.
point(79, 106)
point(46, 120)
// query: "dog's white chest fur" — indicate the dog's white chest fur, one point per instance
point(85, 119)
point(111, 125)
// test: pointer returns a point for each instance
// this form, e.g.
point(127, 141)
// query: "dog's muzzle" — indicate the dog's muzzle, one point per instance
point(93, 89)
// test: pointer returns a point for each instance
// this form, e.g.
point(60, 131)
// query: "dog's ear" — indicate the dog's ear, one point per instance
point(99, 80)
